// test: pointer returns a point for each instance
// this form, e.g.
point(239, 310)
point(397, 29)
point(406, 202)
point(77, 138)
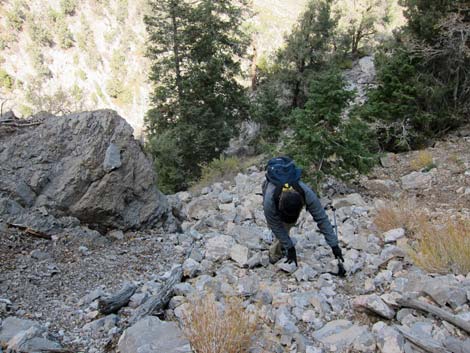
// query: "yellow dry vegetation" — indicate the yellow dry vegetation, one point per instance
point(404, 214)
point(423, 160)
point(444, 248)
point(213, 329)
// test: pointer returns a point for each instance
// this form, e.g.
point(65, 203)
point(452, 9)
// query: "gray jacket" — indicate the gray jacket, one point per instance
point(313, 206)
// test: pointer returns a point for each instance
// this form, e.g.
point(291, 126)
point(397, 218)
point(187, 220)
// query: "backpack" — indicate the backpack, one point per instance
point(282, 170)
point(285, 175)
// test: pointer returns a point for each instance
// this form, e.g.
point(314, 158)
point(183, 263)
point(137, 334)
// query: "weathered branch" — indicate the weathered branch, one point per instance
point(115, 302)
point(161, 299)
point(436, 311)
point(30, 231)
point(429, 345)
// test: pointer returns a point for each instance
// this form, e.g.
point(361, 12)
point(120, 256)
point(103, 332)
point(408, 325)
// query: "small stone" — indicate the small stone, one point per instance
point(116, 234)
point(285, 322)
point(375, 304)
point(184, 289)
point(393, 235)
point(191, 268)
point(83, 250)
point(416, 180)
point(286, 267)
point(239, 254)
point(248, 286)
point(218, 247)
point(225, 197)
point(40, 255)
point(305, 273)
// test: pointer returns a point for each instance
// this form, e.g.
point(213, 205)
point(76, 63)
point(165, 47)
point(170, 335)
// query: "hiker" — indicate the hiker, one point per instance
point(284, 196)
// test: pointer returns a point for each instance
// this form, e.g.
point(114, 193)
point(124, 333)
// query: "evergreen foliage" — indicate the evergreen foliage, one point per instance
point(324, 142)
point(68, 7)
point(306, 48)
point(423, 76)
point(268, 112)
point(194, 48)
point(6, 81)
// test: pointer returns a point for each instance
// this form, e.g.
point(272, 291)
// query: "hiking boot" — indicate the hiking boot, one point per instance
point(275, 252)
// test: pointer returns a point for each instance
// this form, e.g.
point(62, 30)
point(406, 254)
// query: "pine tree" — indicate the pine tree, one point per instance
point(306, 47)
point(324, 142)
point(195, 49)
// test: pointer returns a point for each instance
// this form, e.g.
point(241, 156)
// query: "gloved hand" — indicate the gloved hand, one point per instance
point(292, 256)
point(337, 252)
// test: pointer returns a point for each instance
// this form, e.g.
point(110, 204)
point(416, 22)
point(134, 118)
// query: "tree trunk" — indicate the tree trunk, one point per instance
point(254, 68)
point(161, 299)
point(176, 52)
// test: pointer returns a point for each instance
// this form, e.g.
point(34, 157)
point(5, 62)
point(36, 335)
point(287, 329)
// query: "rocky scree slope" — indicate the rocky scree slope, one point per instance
point(223, 250)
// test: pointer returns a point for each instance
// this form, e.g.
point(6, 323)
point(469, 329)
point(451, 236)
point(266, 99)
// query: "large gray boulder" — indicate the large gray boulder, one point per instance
point(151, 335)
point(85, 165)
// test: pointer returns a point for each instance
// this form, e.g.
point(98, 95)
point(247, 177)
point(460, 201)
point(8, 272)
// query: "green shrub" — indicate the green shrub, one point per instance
point(39, 34)
point(64, 35)
point(99, 92)
point(81, 74)
point(25, 110)
point(125, 97)
point(38, 62)
point(114, 87)
point(68, 6)
point(111, 35)
point(218, 170)
point(17, 16)
point(6, 81)
point(408, 105)
point(266, 110)
point(168, 158)
point(77, 93)
point(325, 143)
point(122, 11)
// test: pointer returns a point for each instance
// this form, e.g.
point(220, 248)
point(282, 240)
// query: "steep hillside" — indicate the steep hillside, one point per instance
point(383, 305)
point(64, 55)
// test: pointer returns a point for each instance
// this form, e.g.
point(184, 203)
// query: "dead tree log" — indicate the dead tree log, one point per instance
point(425, 343)
point(115, 302)
point(161, 299)
point(436, 311)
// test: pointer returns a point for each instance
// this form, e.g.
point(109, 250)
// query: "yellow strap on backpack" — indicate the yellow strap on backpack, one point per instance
point(287, 187)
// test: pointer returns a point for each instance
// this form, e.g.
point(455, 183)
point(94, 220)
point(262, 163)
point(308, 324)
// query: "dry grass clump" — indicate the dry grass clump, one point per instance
point(423, 160)
point(444, 249)
point(213, 329)
point(404, 214)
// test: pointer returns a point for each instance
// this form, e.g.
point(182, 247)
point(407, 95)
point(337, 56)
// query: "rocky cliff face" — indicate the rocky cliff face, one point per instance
point(87, 166)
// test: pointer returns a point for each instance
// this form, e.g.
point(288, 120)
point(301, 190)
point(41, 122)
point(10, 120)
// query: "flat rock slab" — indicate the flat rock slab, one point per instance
point(349, 200)
point(11, 326)
point(374, 304)
point(150, 335)
point(416, 180)
point(339, 333)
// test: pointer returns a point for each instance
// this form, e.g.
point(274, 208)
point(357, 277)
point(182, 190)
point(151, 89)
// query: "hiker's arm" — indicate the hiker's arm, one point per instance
point(274, 222)
point(319, 215)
